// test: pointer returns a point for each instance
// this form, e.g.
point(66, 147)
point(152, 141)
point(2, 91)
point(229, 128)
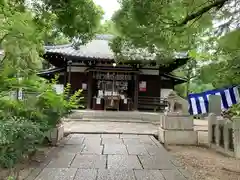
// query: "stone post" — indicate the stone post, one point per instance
point(217, 133)
point(236, 136)
point(211, 120)
point(227, 126)
point(215, 105)
point(219, 121)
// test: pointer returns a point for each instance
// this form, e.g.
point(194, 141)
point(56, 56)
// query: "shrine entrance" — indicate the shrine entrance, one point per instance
point(113, 90)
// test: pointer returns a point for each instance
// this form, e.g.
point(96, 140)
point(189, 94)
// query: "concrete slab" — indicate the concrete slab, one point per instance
point(112, 141)
point(145, 138)
point(136, 149)
point(75, 141)
point(91, 135)
point(110, 136)
point(92, 149)
point(86, 174)
point(57, 174)
point(118, 115)
point(137, 141)
point(129, 136)
point(157, 150)
point(148, 174)
point(84, 161)
point(71, 149)
point(63, 160)
point(115, 149)
point(130, 141)
point(155, 162)
point(92, 140)
point(109, 127)
point(113, 174)
point(123, 162)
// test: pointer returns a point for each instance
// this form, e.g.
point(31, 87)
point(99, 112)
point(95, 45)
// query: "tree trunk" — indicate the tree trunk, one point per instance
point(188, 81)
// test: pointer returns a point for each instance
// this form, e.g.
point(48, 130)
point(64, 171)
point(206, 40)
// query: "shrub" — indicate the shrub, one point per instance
point(18, 138)
point(22, 109)
point(41, 104)
point(55, 106)
point(232, 111)
point(23, 123)
point(72, 101)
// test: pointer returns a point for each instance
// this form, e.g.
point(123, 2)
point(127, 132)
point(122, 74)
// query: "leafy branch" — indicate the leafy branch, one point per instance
point(218, 4)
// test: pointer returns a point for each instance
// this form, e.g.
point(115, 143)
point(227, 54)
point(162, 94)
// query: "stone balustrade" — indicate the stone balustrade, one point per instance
point(224, 135)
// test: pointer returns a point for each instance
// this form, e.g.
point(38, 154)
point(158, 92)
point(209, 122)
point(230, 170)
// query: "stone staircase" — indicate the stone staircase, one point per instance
point(112, 116)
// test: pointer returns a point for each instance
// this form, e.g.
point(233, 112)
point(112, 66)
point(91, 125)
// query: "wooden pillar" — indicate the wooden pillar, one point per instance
point(136, 89)
point(65, 76)
point(69, 71)
point(89, 99)
point(173, 85)
point(160, 83)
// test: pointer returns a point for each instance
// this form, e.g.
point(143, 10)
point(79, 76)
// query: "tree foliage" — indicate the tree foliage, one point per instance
point(20, 40)
point(208, 30)
point(168, 26)
point(75, 18)
point(108, 27)
point(24, 29)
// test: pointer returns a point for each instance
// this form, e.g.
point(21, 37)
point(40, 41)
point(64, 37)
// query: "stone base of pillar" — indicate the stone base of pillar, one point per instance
point(177, 129)
point(177, 137)
point(55, 134)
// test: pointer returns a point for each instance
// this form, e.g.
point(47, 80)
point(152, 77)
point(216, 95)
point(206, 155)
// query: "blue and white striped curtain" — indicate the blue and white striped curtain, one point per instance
point(199, 103)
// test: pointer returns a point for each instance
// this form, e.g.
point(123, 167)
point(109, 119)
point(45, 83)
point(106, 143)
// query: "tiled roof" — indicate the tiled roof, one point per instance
point(99, 48)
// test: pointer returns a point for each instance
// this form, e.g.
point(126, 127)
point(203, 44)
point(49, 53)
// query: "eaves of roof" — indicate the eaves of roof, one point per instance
point(99, 48)
point(177, 79)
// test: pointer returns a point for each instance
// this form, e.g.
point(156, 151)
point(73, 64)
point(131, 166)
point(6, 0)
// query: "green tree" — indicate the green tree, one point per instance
point(173, 25)
point(208, 30)
point(25, 28)
point(108, 27)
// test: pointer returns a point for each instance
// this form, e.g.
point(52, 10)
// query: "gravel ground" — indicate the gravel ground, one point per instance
point(205, 164)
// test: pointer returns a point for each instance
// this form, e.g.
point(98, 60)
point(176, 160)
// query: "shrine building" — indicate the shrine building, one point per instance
point(137, 84)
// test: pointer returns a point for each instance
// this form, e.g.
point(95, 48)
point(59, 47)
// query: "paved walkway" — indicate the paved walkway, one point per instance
point(111, 157)
point(128, 128)
point(109, 127)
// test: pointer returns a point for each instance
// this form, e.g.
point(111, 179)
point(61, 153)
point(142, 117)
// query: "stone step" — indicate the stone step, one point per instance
point(112, 120)
point(119, 115)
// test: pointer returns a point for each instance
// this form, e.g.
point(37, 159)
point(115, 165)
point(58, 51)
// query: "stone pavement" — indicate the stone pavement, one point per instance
point(111, 157)
point(109, 127)
point(130, 128)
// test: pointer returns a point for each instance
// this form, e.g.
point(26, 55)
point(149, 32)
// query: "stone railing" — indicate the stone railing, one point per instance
point(224, 135)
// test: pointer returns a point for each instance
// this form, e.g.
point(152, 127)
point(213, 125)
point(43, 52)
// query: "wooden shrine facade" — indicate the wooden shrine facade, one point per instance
point(107, 85)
